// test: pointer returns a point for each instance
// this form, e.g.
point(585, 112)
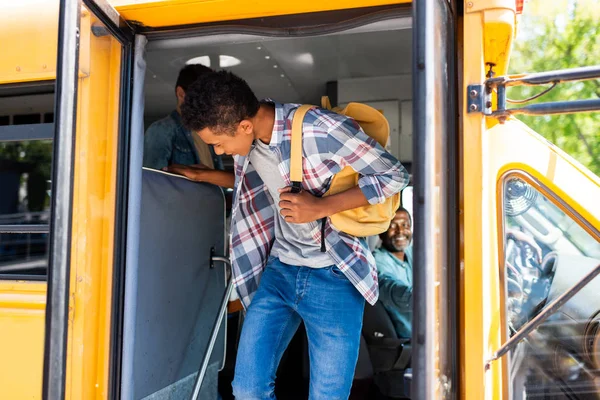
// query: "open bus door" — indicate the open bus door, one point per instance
point(92, 125)
point(547, 220)
point(137, 287)
point(435, 200)
point(545, 215)
point(529, 227)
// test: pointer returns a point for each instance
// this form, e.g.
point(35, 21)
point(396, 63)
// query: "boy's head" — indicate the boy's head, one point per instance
point(186, 77)
point(399, 235)
point(219, 107)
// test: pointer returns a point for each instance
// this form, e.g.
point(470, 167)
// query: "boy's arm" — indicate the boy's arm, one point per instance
point(201, 173)
point(303, 207)
point(381, 175)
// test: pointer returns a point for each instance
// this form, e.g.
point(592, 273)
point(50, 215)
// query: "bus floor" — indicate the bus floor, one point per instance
point(292, 375)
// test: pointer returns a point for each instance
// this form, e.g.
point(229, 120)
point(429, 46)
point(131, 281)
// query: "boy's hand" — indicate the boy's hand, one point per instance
point(189, 171)
point(299, 208)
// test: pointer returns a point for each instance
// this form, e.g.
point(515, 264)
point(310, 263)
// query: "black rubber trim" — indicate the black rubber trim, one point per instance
point(296, 25)
point(120, 233)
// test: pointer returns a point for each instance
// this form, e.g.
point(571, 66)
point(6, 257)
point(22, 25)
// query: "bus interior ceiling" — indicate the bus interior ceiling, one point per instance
point(370, 64)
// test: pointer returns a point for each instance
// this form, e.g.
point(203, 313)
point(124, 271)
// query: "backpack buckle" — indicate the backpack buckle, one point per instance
point(296, 187)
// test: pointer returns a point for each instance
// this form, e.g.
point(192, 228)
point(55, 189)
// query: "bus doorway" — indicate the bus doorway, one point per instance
point(350, 56)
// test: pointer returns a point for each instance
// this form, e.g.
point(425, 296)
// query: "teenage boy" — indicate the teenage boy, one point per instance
point(280, 271)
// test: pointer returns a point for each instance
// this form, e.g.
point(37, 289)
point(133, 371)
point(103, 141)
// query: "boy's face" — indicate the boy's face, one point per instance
point(399, 235)
point(233, 143)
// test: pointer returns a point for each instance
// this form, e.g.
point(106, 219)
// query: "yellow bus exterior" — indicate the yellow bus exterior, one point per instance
point(29, 35)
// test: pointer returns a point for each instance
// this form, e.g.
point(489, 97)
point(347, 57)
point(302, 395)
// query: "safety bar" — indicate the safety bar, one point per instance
point(480, 100)
point(555, 107)
point(215, 330)
point(544, 78)
point(541, 317)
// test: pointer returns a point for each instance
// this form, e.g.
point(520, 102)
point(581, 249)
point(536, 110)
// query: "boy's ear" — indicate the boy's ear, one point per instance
point(246, 127)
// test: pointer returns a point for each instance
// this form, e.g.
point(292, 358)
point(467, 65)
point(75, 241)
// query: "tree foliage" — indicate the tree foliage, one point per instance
point(550, 41)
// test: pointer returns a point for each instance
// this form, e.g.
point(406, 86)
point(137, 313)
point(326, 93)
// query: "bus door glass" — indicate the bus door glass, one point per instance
point(435, 200)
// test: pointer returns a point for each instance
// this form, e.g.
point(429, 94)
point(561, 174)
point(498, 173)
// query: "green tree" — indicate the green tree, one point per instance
point(548, 41)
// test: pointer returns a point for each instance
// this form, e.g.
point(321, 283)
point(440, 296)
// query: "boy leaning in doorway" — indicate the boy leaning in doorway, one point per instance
point(279, 269)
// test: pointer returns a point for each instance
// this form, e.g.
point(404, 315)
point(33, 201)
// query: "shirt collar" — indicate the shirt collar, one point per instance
point(403, 263)
point(278, 124)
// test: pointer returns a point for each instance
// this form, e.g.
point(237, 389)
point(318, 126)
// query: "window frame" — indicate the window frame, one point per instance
point(21, 133)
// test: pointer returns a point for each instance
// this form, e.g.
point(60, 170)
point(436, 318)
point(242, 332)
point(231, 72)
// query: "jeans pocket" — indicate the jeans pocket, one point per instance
point(337, 273)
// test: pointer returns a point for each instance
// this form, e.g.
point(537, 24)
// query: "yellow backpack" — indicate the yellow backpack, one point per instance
point(362, 221)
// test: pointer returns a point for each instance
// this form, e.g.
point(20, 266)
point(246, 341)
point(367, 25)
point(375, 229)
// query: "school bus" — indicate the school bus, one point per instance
point(103, 296)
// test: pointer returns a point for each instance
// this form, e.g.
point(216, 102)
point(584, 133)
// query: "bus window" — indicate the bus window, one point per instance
point(25, 172)
point(546, 252)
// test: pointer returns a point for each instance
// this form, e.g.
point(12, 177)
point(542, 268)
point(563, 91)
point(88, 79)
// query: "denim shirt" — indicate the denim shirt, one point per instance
point(168, 142)
point(395, 288)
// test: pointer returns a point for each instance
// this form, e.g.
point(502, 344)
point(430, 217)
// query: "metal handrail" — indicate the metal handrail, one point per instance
point(215, 331)
point(544, 78)
point(480, 95)
point(541, 317)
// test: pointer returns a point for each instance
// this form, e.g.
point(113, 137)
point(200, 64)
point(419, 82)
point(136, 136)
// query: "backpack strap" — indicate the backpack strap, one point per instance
point(325, 103)
point(296, 148)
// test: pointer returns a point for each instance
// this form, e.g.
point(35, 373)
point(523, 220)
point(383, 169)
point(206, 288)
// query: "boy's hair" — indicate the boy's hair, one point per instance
point(219, 101)
point(189, 74)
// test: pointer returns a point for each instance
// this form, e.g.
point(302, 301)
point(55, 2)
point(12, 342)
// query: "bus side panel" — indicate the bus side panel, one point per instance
point(29, 40)
point(22, 317)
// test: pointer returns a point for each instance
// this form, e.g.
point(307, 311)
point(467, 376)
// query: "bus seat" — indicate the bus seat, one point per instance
point(390, 354)
point(173, 299)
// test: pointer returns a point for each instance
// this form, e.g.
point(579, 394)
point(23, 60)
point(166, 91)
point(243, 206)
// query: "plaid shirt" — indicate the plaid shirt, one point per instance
point(330, 143)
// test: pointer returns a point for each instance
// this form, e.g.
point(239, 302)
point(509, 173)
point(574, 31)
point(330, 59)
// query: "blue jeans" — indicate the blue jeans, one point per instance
point(332, 311)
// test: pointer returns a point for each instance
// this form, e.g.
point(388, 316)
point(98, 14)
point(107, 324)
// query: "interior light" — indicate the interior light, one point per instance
point(228, 61)
point(305, 58)
point(203, 60)
point(224, 61)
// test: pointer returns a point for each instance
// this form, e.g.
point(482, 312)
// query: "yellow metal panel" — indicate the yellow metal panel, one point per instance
point(22, 319)
point(513, 146)
point(499, 29)
point(181, 12)
point(518, 146)
point(93, 221)
point(29, 37)
point(479, 298)
point(489, 27)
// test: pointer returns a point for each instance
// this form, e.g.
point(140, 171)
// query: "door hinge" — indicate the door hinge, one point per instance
point(478, 99)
